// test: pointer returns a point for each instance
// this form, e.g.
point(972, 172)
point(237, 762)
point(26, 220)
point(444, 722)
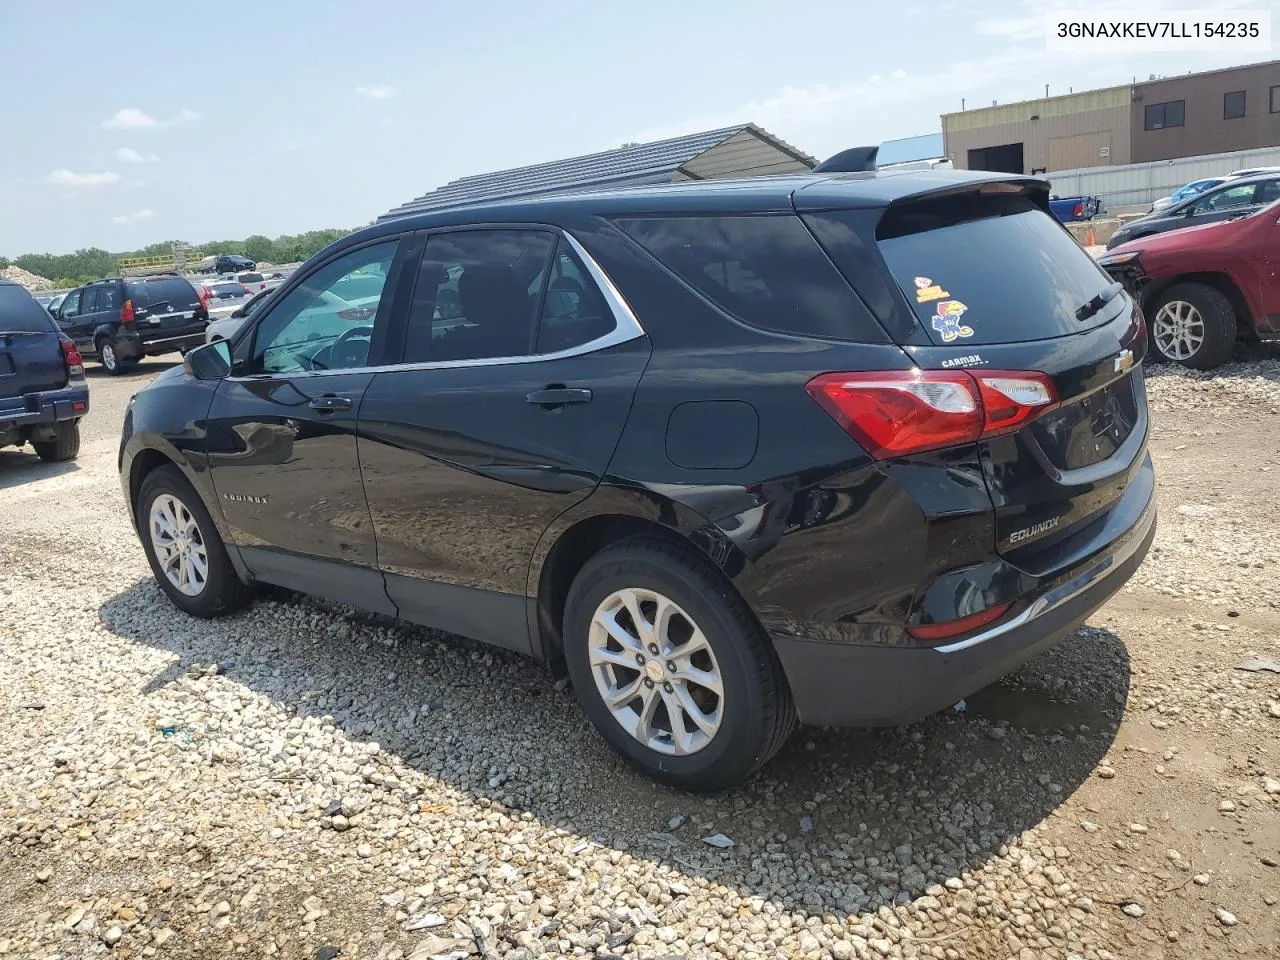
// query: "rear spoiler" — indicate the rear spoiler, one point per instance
point(853, 160)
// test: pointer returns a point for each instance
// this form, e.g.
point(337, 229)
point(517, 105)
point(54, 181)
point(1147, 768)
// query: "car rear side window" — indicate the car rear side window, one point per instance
point(991, 269)
point(175, 291)
point(477, 295)
point(19, 312)
point(766, 271)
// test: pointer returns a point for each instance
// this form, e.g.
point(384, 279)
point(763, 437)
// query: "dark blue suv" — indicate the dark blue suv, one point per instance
point(43, 393)
point(833, 448)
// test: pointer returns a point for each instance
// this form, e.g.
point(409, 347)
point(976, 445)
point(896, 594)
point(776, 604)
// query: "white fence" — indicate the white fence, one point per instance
point(1141, 183)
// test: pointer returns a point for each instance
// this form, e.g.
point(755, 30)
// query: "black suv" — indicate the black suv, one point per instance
point(232, 263)
point(122, 320)
point(837, 449)
point(43, 393)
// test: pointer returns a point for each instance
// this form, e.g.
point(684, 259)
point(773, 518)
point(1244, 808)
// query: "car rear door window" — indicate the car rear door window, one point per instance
point(478, 295)
point(19, 312)
point(991, 269)
point(766, 271)
point(107, 298)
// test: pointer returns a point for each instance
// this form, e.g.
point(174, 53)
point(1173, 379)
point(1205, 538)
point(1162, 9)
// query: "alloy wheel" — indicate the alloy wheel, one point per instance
point(179, 546)
point(108, 355)
point(1178, 330)
point(656, 672)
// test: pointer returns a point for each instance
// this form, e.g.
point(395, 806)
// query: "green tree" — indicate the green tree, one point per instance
point(258, 247)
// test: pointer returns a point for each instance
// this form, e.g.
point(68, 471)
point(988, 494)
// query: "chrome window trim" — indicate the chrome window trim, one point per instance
point(626, 327)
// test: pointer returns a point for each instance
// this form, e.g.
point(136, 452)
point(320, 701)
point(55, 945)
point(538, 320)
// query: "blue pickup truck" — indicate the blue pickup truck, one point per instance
point(43, 391)
point(1072, 209)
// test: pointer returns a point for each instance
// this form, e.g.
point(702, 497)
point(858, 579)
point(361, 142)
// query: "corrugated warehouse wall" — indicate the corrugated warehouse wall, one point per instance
point(1142, 183)
point(1078, 130)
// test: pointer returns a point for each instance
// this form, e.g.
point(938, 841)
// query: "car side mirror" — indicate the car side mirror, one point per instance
point(209, 362)
point(237, 313)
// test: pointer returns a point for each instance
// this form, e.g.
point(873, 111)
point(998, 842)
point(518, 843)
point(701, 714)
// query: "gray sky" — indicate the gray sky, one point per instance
point(125, 129)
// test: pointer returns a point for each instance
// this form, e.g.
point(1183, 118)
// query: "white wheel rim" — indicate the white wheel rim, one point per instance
point(108, 356)
point(1178, 330)
point(178, 544)
point(656, 672)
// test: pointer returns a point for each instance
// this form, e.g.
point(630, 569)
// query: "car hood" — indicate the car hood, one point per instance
point(1178, 239)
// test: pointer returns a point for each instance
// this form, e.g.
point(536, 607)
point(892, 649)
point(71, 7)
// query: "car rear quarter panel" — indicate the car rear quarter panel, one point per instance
point(814, 534)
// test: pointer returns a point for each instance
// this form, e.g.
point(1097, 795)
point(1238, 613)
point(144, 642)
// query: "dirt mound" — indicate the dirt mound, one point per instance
point(26, 278)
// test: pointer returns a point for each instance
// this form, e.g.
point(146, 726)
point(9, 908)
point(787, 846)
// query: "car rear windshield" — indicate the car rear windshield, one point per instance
point(250, 278)
point(226, 289)
point(766, 271)
point(173, 290)
point(19, 313)
point(991, 269)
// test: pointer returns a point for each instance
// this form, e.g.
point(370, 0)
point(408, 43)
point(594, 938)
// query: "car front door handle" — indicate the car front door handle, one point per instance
point(329, 403)
point(557, 396)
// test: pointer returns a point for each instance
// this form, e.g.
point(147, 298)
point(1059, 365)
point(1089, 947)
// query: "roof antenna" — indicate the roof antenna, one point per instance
point(853, 160)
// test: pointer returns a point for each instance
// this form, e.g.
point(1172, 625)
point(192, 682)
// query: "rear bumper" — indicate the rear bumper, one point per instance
point(843, 684)
point(135, 345)
point(49, 406)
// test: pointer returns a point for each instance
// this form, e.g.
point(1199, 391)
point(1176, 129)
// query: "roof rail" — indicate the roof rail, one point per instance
point(853, 160)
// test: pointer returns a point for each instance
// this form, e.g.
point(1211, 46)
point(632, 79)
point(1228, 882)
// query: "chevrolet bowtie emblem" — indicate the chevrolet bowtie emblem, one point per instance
point(1123, 361)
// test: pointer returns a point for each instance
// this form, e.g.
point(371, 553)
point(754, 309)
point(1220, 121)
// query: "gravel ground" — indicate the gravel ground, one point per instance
point(300, 780)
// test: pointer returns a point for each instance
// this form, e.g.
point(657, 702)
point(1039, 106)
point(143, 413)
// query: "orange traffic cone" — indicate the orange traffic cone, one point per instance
point(1089, 241)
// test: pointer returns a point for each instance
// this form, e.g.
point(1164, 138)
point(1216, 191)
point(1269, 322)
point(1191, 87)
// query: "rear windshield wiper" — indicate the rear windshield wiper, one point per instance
point(1097, 303)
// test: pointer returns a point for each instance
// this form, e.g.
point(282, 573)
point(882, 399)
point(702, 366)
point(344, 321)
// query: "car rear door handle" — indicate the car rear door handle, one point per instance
point(329, 402)
point(556, 395)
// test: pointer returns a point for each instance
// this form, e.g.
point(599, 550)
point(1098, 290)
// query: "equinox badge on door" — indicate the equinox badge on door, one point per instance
point(1123, 361)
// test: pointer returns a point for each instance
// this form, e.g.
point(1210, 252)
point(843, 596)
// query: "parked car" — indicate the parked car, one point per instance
point(225, 263)
point(1206, 287)
point(1253, 171)
point(221, 299)
point(1231, 198)
point(252, 282)
point(1074, 209)
point(1192, 189)
point(224, 326)
point(123, 319)
point(43, 392)
point(731, 455)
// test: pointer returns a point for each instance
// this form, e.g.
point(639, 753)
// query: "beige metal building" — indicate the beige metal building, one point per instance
point(1201, 113)
point(1053, 133)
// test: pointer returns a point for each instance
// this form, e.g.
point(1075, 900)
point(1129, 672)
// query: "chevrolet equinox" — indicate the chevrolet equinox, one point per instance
point(838, 449)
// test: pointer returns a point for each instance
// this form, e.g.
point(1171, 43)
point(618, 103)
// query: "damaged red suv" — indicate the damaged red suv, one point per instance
point(1204, 288)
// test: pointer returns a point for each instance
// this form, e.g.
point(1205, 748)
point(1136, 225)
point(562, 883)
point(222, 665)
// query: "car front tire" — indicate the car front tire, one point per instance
point(184, 549)
point(65, 444)
point(1192, 324)
point(672, 668)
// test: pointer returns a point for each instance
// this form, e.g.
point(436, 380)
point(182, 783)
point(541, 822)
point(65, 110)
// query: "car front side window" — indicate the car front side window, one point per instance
point(327, 321)
point(1226, 199)
point(70, 306)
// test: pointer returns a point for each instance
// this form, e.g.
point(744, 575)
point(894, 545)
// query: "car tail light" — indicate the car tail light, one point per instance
point(954, 628)
point(1079, 210)
point(355, 314)
point(126, 313)
point(899, 412)
point(71, 357)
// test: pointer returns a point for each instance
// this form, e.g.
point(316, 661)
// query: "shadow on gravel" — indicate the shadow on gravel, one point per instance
point(839, 821)
point(146, 368)
point(19, 465)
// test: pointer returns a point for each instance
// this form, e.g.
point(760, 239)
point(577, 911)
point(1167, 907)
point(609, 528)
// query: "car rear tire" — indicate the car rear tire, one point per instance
point(652, 631)
point(65, 444)
point(184, 549)
point(1192, 324)
point(108, 357)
